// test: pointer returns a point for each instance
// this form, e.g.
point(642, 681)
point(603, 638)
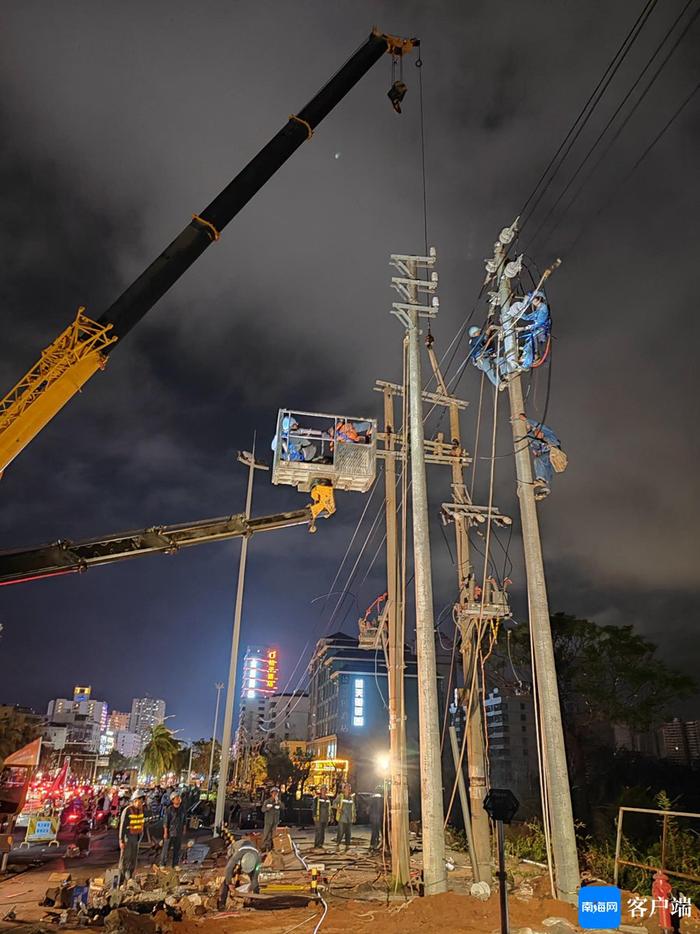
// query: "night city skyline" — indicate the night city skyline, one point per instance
point(113, 140)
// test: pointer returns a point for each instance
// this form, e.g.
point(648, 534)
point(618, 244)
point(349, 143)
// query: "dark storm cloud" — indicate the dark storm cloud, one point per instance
point(121, 121)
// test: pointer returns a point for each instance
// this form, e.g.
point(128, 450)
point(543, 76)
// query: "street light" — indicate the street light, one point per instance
point(383, 762)
point(248, 459)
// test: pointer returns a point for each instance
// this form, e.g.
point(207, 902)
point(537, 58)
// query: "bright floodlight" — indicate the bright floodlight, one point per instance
point(383, 762)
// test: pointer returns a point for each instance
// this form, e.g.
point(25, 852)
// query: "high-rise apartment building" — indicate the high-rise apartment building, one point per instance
point(65, 710)
point(259, 682)
point(118, 721)
point(146, 712)
point(680, 741)
point(260, 672)
point(512, 743)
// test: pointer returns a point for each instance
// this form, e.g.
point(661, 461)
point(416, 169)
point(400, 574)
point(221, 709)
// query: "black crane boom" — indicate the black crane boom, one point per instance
point(206, 227)
point(68, 557)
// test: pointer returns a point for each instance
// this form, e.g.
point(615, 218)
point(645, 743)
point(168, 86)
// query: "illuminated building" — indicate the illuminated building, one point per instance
point(146, 712)
point(260, 672)
point(258, 685)
point(348, 717)
point(118, 721)
point(82, 693)
point(72, 711)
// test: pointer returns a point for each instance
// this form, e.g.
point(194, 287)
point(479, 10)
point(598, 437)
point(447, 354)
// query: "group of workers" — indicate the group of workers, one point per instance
point(317, 445)
point(342, 807)
point(171, 809)
point(521, 342)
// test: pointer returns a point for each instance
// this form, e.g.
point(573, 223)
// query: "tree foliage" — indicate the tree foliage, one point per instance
point(608, 674)
point(161, 751)
point(117, 761)
point(202, 754)
point(279, 766)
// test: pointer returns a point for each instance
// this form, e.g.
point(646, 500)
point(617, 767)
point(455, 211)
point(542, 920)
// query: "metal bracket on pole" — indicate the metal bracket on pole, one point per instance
point(475, 514)
point(435, 398)
point(408, 284)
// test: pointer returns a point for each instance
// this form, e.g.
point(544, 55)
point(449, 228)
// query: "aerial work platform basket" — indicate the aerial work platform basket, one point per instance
point(311, 448)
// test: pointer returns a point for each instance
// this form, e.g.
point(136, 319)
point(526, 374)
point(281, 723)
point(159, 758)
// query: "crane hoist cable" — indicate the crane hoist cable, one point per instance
point(84, 347)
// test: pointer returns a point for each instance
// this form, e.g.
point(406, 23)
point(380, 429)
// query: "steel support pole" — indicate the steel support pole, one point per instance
point(398, 827)
point(564, 853)
point(233, 663)
point(219, 685)
point(432, 810)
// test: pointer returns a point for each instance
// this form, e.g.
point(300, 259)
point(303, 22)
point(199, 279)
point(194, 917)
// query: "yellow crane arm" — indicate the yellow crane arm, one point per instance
point(64, 367)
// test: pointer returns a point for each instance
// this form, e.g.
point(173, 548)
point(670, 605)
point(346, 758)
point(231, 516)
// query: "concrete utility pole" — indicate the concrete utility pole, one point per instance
point(409, 313)
point(480, 842)
point(247, 458)
point(398, 827)
point(219, 685)
point(564, 853)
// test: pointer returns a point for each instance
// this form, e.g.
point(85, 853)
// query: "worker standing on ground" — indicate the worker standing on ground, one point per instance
point(547, 455)
point(345, 814)
point(376, 818)
point(322, 816)
point(271, 814)
point(174, 821)
point(131, 826)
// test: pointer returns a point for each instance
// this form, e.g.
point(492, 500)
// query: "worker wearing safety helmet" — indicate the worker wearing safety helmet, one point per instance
point(482, 353)
point(131, 827)
point(535, 324)
point(244, 858)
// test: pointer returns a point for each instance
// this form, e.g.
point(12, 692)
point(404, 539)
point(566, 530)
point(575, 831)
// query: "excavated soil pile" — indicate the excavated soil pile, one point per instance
point(449, 912)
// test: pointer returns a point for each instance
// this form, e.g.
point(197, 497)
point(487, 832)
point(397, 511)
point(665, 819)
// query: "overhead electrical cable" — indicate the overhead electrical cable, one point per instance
point(617, 111)
point(587, 110)
point(615, 192)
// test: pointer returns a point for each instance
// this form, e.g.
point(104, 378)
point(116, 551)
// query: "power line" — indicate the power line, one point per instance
point(615, 193)
point(614, 115)
point(592, 102)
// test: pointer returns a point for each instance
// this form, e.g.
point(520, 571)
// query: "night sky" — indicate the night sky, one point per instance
point(122, 120)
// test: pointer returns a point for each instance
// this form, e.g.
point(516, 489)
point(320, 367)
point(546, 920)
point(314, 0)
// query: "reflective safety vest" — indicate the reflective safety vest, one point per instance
point(135, 821)
point(345, 811)
point(346, 431)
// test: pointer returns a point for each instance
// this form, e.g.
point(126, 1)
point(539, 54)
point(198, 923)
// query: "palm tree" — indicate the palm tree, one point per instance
point(160, 751)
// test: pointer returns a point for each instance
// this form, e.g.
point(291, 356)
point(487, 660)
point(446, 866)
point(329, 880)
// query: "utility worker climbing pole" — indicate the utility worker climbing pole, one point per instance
point(531, 321)
point(482, 352)
point(547, 455)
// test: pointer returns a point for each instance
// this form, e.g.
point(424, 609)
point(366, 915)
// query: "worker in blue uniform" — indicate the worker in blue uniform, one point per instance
point(534, 324)
point(542, 439)
point(482, 352)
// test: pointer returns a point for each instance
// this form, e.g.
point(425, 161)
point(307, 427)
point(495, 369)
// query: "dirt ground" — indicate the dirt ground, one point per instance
point(451, 912)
